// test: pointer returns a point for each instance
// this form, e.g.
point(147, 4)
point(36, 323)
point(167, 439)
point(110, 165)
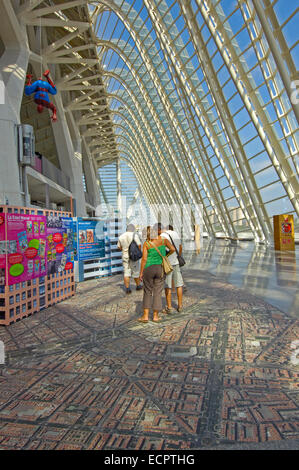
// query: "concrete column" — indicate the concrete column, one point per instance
point(27, 199)
point(91, 177)
point(13, 67)
point(47, 195)
point(70, 155)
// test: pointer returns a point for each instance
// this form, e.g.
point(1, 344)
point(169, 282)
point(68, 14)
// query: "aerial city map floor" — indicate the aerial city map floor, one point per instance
point(84, 374)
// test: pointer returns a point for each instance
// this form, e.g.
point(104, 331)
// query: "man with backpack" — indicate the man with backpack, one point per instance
point(130, 245)
point(174, 278)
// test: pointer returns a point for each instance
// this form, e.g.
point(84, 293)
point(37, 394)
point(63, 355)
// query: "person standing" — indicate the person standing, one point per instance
point(152, 274)
point(131, 268)
point(175, 278)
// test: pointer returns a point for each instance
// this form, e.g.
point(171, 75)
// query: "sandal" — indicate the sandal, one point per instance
point(159, 320)
point(141, 320)
point(168, 310)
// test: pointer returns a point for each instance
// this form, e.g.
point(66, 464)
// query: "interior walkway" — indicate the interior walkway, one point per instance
point(85, 375)
point(259, 269)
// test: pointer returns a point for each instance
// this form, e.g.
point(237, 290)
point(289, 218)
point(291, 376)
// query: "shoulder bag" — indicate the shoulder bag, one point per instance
point(181, 260)
point(167, 268)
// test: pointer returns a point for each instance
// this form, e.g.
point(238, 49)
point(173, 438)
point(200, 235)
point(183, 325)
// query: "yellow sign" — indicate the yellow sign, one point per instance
point(284, 235)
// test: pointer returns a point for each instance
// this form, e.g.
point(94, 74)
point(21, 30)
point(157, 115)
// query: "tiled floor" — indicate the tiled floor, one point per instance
point(85, 375)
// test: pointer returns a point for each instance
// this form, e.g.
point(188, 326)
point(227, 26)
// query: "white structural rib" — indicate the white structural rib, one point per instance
point(143, 82)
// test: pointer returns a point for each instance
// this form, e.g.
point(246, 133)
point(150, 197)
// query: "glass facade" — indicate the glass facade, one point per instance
point(203, 98)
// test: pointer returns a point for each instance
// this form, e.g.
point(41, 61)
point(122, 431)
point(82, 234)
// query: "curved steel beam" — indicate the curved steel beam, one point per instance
point(253, 107)
point(180, 133)
point(252, 199)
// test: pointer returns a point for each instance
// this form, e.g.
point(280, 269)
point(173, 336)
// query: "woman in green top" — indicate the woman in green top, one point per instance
point(151, 271)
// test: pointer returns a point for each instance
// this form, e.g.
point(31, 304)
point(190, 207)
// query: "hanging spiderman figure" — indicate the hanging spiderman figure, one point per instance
point(41, 90)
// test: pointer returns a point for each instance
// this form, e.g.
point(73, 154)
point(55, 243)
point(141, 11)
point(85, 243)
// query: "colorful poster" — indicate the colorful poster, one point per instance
point(90, 239)
point(26, 247)
point(60, 252)
point(2, 249)
point(71, 240)
point(284, 235)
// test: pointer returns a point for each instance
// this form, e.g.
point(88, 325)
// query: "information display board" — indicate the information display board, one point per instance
point(91, 242)
point(26, 247)
point(60, 251)
point(32, 246)
point(2, 249)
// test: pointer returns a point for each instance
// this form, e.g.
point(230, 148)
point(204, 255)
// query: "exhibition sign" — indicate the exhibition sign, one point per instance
point(2, 249)
point(60, 252)
point(284, 234)
point(33, 246)
point(26, 247)
point(91, 243)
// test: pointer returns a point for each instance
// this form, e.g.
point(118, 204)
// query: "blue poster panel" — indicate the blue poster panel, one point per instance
point(91, 242)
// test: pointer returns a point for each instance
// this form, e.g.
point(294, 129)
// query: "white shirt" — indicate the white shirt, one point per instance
point(173, 259)
point(125, 241)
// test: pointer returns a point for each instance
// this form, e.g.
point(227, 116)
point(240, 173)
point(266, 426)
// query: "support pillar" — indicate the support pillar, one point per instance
point(27, 199)
point(70, 157)
point(47, 196)
point(13, 67)
point(91, 178)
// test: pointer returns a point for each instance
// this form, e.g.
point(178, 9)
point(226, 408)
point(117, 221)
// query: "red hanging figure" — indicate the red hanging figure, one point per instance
point(41, 90)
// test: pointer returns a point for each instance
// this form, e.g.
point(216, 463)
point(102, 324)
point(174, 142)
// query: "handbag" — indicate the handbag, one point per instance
point(167, 268)
point(181, 260)
point(134, 252)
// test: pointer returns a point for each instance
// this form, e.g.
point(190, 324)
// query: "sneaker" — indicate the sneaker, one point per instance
point(128, 290)
point(179, 309)
point(139, 287)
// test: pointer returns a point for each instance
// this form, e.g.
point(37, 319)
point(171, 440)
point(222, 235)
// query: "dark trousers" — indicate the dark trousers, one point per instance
point(153, 283)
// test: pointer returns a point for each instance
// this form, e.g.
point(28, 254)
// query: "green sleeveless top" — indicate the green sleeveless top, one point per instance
point(153, 256)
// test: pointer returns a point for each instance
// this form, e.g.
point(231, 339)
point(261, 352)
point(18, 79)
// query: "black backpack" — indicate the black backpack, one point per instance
point(134, 252)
